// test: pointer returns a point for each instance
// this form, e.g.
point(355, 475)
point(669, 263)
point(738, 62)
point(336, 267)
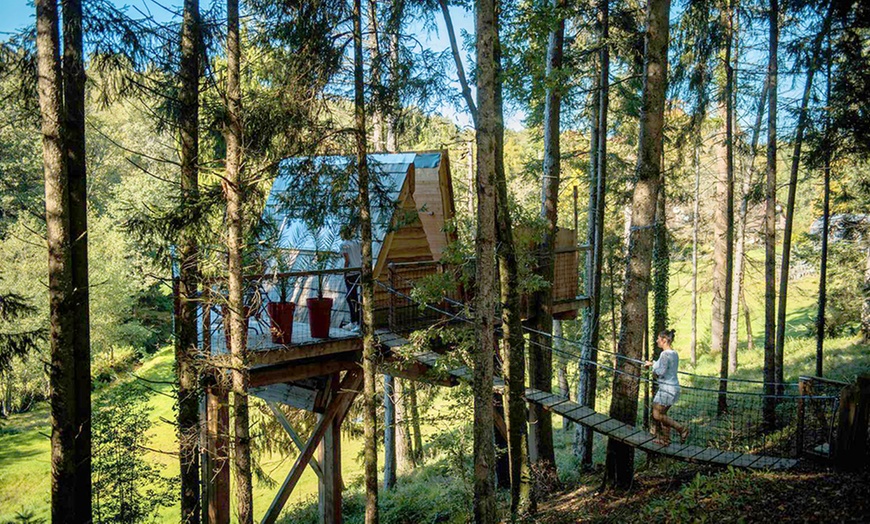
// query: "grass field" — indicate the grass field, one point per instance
point(24, 438)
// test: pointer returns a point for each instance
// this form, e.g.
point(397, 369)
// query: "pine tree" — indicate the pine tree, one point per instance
point(619, 466)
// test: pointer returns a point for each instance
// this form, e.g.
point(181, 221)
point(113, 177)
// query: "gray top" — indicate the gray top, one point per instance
point(666, 367)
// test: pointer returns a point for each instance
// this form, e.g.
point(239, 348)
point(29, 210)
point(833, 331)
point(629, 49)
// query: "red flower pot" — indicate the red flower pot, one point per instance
point(281, 314)
point(319, 313)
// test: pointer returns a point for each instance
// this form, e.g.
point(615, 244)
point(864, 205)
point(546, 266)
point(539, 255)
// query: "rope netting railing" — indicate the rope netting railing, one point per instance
point(802, 418)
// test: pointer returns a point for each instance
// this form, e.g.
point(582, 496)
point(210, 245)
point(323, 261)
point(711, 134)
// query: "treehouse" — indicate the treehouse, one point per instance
point(302, 361)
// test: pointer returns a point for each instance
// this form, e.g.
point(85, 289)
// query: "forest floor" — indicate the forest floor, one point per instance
point(675, 492)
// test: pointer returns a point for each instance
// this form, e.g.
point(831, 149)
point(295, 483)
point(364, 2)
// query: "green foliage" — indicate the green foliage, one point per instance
point(127, 487)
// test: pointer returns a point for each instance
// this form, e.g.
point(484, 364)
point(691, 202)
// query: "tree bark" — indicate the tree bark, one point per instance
point(415, 422)
point(738, 295)
point(826, 225)
point(62, 371)
point(405, 457)
point(392, 117)
point(812, 67)
point(661, 268)
point(378, 143)
point(185, 321)
point(74, 151)
point(595, 234)
point(693, 344)
point(769, 405)
point(238, 322)
point(389, 432)
point(619, 466)
point(728, 24)
point(370, 401)
point(488, 124)
point(541, 449)
point(520, 439)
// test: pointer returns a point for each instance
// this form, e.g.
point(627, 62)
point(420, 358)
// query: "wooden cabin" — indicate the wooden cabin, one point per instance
point(412, 201)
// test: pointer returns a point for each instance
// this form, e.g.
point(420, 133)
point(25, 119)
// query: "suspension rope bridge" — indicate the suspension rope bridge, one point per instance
point(739, 436)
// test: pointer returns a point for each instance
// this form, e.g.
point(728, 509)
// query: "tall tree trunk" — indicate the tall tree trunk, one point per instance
point(738, 296)
point(62, 376)
point(826, 225)
point(185, 321)
point(595, 234)
point(812, 67)
point(370, 400)
point(619, 467)
point(865, 308)
point(74, 151)
point(540, 356)
point(728, 24)
point(693, 344)
point(521, 441)
point(415, 422)
point(389, 432)
point(769, 406)
point(405, 458)
point(661, 267)
point(376, 59)
point(488, 124)
point(397, 12)
point(238, 322)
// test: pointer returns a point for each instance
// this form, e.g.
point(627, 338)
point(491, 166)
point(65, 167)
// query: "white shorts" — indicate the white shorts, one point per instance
point(667, 394)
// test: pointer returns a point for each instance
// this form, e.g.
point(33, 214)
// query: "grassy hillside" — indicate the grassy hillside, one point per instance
point(25, 454)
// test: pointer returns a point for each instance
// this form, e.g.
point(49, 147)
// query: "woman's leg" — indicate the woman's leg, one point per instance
point(668, 421)
point(663, 432)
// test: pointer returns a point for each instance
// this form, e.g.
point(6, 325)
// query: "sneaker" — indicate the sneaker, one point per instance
point(354, 328)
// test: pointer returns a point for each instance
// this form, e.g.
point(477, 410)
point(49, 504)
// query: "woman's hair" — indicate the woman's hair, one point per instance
point(668, 334)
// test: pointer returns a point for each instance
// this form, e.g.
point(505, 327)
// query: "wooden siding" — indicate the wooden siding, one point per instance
point(434, 198)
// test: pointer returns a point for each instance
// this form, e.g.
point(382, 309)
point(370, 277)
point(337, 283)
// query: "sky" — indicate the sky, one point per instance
point(17, 14)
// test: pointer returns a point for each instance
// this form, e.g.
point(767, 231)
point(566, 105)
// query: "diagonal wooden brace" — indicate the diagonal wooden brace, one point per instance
point(293, 435)
point(336, 410)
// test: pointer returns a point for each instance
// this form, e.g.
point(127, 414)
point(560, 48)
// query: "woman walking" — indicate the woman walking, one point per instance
point(665, 368)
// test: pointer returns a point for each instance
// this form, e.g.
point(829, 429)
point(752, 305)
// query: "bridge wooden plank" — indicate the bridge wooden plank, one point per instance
point(463, 372)
point(534, 395)
point(652, 446)
point(784, 463)
point(608, 426)
point(677, 450)
point(639, 438)
point(593, 419)
point(707, 455)
point(738, 460)
point(690, 452)
point(565, 407)
point(577, 413)
point(622, 432)
point(765, 462)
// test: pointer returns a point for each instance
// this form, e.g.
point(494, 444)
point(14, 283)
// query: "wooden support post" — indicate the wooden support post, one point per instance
point(337, 410)
point(218, 450)
point(330, 458)
point(854, 416)
point(801, 414)
point(391, 320)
